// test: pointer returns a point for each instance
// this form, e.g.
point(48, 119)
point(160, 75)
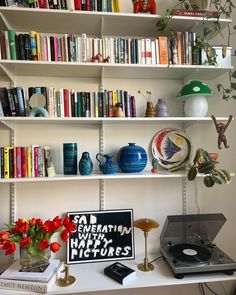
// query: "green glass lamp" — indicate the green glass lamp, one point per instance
point(195, 93)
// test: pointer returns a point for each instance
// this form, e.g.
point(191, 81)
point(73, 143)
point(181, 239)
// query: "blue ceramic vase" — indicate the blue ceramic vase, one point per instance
point(132, 158)
point(70, 158)
point(105, 163)
point(85, 164)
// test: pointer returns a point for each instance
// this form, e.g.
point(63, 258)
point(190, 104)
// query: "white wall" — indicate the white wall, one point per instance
point(149, 198)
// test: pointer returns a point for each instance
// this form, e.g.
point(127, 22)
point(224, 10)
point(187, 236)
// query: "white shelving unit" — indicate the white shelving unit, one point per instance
point(90, 276)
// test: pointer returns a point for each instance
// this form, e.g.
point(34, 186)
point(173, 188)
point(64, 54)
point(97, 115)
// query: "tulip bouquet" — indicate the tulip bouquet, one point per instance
point(34, 234)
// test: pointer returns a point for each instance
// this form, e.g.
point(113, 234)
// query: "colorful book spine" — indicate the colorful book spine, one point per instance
point(163, 49)
point(12, 43)
point(6, 163)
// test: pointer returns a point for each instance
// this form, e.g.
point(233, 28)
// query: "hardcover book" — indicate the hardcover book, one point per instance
point(120, 272)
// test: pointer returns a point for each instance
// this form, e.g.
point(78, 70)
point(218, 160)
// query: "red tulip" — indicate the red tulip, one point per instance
point(21, 226)
point(4, 235)
point(65, 235)
point(57, 223)
point(25, 242)
point(54, 247)
point(10, 247)
point(70, 226)
point(48, 227)
point(43, 244)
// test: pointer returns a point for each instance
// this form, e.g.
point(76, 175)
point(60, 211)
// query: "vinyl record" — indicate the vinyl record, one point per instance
point(190, 253)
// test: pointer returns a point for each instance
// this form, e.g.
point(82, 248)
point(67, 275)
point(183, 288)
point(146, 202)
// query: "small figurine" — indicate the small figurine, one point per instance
point(220, 129)
point(154, 166)
point(144, 6)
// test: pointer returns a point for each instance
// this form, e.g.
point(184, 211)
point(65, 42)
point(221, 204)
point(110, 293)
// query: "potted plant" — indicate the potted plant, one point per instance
point(205, 163)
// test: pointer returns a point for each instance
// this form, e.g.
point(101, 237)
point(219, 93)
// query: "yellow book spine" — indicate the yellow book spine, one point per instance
point(6, 162)
point(117, 5)
point(29, 166)
point(115, 99)
point(38, 43)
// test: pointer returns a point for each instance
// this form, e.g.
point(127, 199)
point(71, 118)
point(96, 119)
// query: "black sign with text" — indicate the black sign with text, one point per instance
point(101, 235)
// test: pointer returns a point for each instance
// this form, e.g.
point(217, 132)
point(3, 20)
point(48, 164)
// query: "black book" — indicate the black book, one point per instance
point(19, 101)
point(11, 102)
point(50, 4)
point(56, 4)
point(83, 5)
point(5, 102)
point(52, 48)
point(83, 104)
point(63, 4)
point(120, 272)
point(21, 47)
point(3, 3)
point(11, 162)
point(72, 102)
point(69, 50)
point(27, 46)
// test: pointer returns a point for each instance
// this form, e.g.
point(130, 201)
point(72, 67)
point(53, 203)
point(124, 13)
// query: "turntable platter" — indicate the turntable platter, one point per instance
point(190, 253)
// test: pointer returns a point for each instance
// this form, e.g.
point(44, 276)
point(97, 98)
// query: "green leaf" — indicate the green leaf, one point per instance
point(233, 74)
point(227, 90)
point(233, 85)
point(186, 5)
point(209, 181)
point(234, 96)
point(216, 179)
point(234, 27)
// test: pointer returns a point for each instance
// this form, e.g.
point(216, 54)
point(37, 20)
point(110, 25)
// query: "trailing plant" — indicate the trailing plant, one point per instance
point(204, 164)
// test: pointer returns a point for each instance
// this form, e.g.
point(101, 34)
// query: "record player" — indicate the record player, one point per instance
point(187, 245)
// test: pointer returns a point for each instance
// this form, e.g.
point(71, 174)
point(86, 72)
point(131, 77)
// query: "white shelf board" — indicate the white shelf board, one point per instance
point(13, 121)
point(90, 278)
point(106, 70)
point(98, 176)
point(115, 24)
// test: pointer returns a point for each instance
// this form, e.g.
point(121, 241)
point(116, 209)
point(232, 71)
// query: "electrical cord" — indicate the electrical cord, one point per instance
point(156, 259)
point(202, 291)
point(213, 292)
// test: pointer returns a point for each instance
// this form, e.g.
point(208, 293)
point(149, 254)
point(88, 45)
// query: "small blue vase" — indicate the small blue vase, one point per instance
point(85, 164)
point(105, 163)
point(132, 158)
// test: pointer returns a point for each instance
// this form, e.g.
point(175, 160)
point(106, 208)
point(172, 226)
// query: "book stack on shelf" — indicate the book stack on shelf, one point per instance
point(179, 48)
point(15, 102)
point(84, 5)
point(40, 282)
point(30, 161)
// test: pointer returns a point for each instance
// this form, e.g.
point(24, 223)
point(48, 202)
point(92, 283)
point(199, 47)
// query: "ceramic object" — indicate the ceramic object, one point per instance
point(171, 148)
point(132, 158)
point(118, 111)
point(105, 163)
point(150, 111)
point(161, 108)
point(85, 164)
point(70, 158)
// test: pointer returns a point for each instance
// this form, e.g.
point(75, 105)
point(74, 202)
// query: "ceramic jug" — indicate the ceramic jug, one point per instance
point(85, 164)
point(105, 163)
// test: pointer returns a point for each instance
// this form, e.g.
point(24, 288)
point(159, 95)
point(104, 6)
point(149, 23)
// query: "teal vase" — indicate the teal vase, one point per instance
point(85, 164)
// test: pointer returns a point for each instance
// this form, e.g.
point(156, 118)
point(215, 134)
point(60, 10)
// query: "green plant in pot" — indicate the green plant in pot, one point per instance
point(204, 163)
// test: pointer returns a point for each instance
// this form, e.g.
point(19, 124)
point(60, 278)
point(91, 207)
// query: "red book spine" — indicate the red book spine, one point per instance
point(78, 5)
point(15, 172)
point(42, 3)
point(89, 5)
point(132, 106)
point(18, 162)
point(36, 161)
point(23, 162)
point(56, 48)
point(66, 102)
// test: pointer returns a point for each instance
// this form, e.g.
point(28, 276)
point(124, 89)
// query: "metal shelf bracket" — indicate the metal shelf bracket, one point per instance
point(8, 74)
point(102, 181)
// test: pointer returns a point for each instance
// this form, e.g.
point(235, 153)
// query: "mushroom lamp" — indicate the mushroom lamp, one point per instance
point(194, 93)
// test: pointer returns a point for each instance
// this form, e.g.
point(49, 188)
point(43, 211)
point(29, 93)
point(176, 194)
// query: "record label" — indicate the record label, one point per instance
point(190, 252)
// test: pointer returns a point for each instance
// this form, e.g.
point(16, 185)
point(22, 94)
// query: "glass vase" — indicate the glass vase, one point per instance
point(32, 259)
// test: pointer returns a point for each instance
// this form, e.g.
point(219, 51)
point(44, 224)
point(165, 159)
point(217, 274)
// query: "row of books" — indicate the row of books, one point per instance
point(85, 5)
point(30, 161)
point(66, 102)
point(179, 48)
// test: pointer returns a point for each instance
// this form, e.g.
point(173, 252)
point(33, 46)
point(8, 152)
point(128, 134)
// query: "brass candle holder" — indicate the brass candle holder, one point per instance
point(67, 280)
point(146, 225)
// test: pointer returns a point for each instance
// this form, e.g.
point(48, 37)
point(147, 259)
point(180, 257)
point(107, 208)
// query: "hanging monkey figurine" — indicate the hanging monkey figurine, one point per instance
point(220, 129)
point(144, 6)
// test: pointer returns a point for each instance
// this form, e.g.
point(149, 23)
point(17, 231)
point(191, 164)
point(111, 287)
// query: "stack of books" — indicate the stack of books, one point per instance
point(40, 282)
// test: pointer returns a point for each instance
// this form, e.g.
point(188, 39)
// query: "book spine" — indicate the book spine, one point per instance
point(33, 45)
point(11, 102)
point(6, 162)
point(2, 162)
point(29, 166)
point(23, 162)
point(21, 101)
point(11, 162)
point(8, 55)
point(163, 49)
point(38, 44)
point(18, 162)
point(12, 43)
point(70, 4)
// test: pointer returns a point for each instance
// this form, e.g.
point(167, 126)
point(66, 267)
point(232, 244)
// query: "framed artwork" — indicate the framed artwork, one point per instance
point(101, 236)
